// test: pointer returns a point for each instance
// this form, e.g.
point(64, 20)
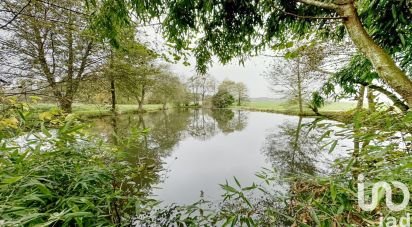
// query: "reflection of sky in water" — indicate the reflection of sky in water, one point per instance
point(197, 165)
point(202, 149)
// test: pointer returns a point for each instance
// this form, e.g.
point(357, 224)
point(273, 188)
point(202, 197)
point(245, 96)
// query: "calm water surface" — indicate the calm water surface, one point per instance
point(186, 154)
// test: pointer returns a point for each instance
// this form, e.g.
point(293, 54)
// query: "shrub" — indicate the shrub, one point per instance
point(222, 99)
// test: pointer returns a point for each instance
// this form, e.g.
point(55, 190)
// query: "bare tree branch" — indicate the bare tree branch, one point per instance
point(16, 15)
point(308, 17)
point(320, 4)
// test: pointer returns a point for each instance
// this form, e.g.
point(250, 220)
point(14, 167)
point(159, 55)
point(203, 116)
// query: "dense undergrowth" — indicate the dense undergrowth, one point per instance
point(53, 174)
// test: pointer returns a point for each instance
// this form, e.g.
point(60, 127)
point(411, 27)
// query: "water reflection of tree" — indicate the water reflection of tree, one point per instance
point(229, 121)
point(202, 126)
point(292, 149)
point(206, 123)
point(144, 140)
point(166, 129)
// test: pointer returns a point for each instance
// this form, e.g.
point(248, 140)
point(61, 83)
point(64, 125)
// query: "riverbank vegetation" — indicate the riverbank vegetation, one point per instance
point(89, 58)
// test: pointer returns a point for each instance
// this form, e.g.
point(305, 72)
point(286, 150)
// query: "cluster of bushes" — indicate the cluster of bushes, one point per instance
point(222, 99)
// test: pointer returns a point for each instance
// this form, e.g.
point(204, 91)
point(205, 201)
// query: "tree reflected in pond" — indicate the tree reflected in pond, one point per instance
point(145, 140)
point(202, 125)
point(229, 121)
point(206, 123)
point(293, 148)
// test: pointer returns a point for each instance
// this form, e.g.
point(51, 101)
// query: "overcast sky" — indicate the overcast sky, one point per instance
point(250, 74)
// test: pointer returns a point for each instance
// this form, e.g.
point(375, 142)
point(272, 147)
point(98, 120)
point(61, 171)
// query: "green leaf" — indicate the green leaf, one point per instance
point(402, 38)
point(340, 209)
point(70, 216)
point(237, 182)
point(11, 180)
point(228, 188)
point(325, 135)
point(394, 12)
point(249, 188)
point(314, 216)
point(333, 191)
point(45, 131)
point(44, 189)
point(333, 146)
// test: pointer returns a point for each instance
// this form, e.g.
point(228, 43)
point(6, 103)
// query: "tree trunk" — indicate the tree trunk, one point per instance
point(203, 97)
point(112, 85)
point(238, 100)
point(396, 101)
point(113, 93)
point(141, 100)
point(299, 88)
point(140, 109)
point(361, 98)
point(66, 104)
point(371, 100)
point(382, 62)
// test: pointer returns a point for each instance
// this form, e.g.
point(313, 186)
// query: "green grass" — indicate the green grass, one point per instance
point(94, 110)
point(293, 109)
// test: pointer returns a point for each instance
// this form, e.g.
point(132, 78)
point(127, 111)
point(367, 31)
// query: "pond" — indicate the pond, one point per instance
point(185, 154)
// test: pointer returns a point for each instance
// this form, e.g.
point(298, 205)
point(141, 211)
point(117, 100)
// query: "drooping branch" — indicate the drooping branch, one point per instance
point(396, 101)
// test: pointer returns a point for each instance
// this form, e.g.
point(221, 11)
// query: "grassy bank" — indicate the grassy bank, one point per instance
point(93, 110)
point(293, 109)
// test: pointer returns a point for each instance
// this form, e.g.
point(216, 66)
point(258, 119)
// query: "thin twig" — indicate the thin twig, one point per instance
point(308, 17)
point(16, 15)
point(64, 8)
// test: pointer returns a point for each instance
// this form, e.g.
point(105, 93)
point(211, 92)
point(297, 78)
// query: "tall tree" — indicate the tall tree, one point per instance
point(167, 88)
point(194, 87)
point(238, 90)
point(241, 93)
point(207, 85)
point(50, 41)
point(296, 76)
point(136, 82)
point(201, 85)
point(131, 68)
point(289, 82)
point(227, 86)
point(379, 29)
